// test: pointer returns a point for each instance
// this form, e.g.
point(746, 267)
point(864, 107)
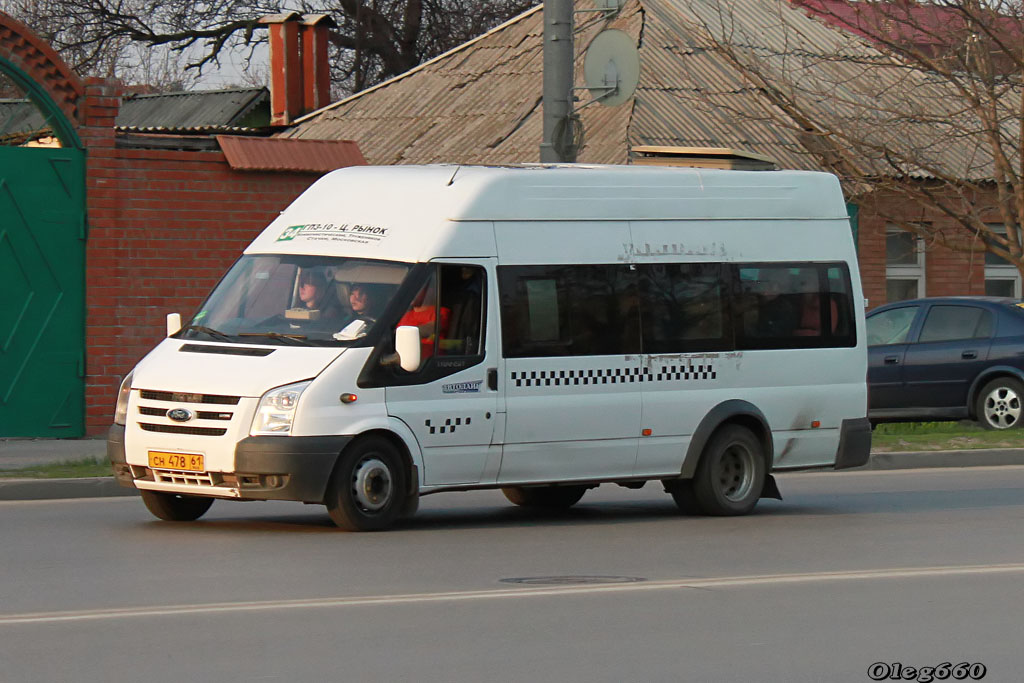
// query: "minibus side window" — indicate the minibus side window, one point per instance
point(463, 295)
point(563, 310)
point(786, 305)
point(840, 310)
point(684, 308)
point(449, 310)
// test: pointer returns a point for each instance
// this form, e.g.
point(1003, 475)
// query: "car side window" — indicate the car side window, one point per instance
point(891, 327)
point(948, 323)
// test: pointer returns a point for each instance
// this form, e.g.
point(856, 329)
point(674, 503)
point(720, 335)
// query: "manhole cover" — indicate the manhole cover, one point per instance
point(571, 580)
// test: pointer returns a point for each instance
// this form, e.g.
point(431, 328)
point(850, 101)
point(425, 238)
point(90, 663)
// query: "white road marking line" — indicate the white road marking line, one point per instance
point(456, 596)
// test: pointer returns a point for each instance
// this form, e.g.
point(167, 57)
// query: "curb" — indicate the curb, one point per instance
point(105, 487)
point(909, 460)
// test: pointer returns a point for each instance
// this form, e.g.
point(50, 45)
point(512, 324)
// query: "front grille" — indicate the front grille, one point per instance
point(177, 477)
point(202, 415)
point(213, 416)
point(181, 397)
point(181, 429)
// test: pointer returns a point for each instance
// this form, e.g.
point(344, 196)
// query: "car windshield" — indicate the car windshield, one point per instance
point(296, 300)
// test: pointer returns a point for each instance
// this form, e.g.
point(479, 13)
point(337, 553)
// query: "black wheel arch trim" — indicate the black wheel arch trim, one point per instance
point(715, 418)
point(307, 460)
point(986, 376)
point(412, 471)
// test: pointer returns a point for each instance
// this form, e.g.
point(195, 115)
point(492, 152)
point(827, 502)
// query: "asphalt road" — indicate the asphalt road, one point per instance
point(917, 567)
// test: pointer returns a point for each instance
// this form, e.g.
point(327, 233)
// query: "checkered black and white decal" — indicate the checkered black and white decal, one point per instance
point(668, 373)
point(450, 423)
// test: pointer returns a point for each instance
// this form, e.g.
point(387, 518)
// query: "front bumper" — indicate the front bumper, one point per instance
point(266, 468)
point(854, 443)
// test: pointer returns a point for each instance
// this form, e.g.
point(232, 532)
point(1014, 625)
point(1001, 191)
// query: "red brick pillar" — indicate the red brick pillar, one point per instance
point(103, 256)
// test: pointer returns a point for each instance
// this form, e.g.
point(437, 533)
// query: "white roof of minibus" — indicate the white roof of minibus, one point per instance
point(410, 213)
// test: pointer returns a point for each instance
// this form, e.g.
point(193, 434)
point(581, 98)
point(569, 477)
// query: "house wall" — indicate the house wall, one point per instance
point(948, 272)
point(163, 228)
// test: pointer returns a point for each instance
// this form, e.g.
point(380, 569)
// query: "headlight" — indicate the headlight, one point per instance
point(121, 409)
point(277, 410)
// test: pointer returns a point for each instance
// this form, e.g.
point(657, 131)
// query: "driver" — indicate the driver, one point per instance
point(312, 287)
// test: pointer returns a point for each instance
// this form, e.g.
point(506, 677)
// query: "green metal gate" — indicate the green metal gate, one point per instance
point(42, 284)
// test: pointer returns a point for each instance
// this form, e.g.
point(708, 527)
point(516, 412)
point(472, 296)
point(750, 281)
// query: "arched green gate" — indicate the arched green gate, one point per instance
point(42, 277)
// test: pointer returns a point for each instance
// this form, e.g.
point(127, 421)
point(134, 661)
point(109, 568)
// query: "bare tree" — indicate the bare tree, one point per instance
point(931, 114)
point(375, 39)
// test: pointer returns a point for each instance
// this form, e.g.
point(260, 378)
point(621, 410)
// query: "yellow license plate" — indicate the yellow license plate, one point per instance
point(190, 462)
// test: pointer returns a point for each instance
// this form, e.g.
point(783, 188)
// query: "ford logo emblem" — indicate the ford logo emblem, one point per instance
point(180, 414)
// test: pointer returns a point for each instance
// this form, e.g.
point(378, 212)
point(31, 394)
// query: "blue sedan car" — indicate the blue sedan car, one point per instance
point(947, 358)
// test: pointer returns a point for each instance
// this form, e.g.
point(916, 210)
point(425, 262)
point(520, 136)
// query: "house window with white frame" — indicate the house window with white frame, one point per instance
point(1001, 277)
point(904, 265)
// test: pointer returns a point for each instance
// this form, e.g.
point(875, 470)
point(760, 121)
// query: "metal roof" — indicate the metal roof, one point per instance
point(19, 118)
point(201, 112)
point(204, 111)
point(278, 154)
point(480, 103)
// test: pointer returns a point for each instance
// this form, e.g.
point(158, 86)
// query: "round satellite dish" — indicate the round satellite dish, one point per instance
point(611, 67)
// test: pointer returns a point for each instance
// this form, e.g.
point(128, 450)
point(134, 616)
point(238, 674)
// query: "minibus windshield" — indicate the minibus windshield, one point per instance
point(296, 300)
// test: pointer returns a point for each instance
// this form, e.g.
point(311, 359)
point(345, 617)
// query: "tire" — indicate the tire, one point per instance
point(1000, 404)
point(730, 475)
point(175, 507)
point(369, 488)
point(547, 497)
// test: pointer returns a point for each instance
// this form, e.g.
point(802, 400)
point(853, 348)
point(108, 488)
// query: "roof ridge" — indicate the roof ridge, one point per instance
point(180, 93)
point(419, 67)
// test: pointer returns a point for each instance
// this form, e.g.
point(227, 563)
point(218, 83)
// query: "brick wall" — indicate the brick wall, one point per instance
point(163, 228)
point(948, 272)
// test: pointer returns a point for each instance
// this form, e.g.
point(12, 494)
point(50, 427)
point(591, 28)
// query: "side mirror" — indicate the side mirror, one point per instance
point(407, 346)
point(173, 323)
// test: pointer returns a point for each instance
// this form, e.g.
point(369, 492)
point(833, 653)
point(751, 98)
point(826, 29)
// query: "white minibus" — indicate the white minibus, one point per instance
point(543, 329)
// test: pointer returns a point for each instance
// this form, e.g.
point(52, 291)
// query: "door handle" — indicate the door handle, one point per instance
point(492, 379)
point(969, 355)
point(892, 360)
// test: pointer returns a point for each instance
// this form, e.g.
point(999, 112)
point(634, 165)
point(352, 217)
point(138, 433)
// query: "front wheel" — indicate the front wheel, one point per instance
point(369, 489)
point(175, 507)
point(729, 477)
point(999, 404)
point(549, 497)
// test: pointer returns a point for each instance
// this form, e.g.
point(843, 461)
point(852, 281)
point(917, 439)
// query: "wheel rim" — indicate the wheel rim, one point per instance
point(1002, 407)
point(372, 485)
point(735, 474)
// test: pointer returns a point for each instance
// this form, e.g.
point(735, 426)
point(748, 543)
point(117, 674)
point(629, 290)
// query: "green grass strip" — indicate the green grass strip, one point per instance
point(66, 469)
point(941, 436)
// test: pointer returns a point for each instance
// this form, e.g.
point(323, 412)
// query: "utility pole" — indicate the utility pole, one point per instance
point(558, 145)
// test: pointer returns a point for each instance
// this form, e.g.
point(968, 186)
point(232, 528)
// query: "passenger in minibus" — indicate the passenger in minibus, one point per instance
point(778, 315)
point(423, 314)
point(363, 302)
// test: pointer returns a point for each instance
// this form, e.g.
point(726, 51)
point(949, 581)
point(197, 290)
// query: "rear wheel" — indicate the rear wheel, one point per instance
point(549, 497)
point(175, 507)
point(729, 477)
point(369, 489)
point(999, 404)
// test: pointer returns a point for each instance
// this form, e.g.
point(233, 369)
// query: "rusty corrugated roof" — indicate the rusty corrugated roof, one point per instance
point(480, 103)
point(279, 154)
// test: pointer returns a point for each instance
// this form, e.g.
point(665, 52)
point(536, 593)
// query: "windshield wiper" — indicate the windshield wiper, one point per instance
point(278, 335)
point(207, 330)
